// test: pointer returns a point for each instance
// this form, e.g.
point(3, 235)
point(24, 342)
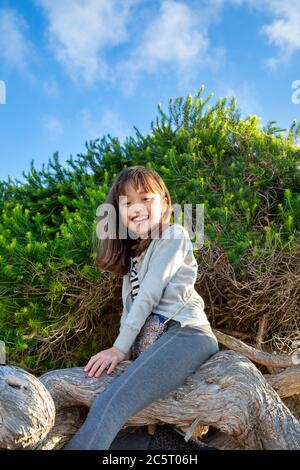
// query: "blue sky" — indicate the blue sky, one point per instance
point(74, 70)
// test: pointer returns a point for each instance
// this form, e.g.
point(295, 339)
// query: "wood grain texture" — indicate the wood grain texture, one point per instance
point(227, 392)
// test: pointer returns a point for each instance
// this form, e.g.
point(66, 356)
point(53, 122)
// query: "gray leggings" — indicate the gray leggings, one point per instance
point(161, 368)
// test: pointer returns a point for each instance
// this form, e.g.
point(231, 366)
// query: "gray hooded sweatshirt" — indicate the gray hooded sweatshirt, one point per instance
point(167, 271)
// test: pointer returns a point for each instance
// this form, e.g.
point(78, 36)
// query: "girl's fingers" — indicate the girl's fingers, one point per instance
point(96, 366)
point(112, 366)
point(101, 369)
point(88, 366)
point(90, 363)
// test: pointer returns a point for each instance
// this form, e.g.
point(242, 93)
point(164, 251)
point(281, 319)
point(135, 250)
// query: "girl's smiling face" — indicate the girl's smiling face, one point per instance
point(140, 211)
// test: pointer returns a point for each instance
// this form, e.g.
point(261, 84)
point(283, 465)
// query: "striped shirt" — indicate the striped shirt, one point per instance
point(134, 279)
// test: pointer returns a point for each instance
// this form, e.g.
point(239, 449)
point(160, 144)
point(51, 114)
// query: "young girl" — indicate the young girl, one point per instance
point(159, 271)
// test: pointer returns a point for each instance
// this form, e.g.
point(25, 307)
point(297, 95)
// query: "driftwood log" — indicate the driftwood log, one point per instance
point(227, 393)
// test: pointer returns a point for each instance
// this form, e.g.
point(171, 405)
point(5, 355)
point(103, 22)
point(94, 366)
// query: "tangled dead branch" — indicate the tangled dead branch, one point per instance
point(262, 306)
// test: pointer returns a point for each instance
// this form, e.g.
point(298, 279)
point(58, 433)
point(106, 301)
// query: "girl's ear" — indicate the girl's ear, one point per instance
point(165, 205)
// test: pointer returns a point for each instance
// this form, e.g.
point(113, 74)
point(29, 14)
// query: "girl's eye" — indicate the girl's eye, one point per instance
point(145, 199)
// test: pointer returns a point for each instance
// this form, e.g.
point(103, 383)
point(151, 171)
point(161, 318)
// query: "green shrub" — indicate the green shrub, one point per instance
point(246, 175)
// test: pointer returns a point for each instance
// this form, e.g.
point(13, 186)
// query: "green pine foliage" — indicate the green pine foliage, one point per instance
point(246, 175)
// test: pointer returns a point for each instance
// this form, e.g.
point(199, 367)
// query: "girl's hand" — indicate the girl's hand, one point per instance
point(108, 357)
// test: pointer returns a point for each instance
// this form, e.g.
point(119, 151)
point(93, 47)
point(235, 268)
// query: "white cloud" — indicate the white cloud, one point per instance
point(53, 127)
point(284, 30)
point(177, 37)
point(79, 31)
point(99, 123)
point(15, 47)
point(174, 36)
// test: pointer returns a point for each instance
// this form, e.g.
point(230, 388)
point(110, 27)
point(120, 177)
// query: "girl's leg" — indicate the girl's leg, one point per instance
point(161, 368)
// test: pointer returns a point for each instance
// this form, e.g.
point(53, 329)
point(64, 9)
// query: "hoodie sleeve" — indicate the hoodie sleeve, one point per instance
point(165, 261)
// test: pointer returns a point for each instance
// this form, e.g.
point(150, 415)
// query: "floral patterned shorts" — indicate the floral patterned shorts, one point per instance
point(152, 329)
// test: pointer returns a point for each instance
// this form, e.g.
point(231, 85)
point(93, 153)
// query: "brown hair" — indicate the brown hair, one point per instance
point(113, 254)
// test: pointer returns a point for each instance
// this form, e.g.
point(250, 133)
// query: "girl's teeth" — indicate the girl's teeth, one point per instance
point(140, 220)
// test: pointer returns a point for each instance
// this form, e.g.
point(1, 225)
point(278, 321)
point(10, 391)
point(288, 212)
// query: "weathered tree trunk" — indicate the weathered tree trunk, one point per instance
point(227, 392)
point(27, 410)
point(287, 382)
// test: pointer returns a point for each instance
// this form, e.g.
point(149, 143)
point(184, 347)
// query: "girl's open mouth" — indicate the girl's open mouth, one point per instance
point(139, 220)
